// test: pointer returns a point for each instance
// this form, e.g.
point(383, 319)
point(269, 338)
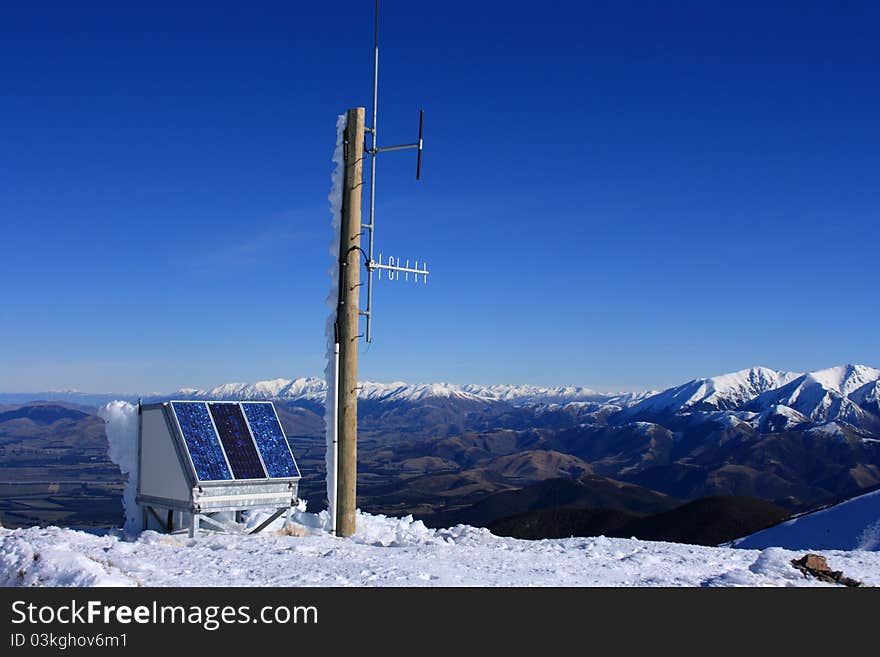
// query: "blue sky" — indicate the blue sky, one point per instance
point(620, 194)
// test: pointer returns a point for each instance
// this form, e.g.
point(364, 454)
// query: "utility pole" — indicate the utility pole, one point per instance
point(343, 385)
point(347, 323)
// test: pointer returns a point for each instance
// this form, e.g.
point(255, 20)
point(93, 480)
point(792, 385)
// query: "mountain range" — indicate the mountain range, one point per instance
point(847, 396)
point(441, 451)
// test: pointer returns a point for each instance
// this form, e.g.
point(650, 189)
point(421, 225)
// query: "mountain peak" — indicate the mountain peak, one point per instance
point(721, 392)
point(844, 379)
point(845, 393)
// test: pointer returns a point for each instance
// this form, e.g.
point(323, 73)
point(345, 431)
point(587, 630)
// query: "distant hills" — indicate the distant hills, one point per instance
point(706, 521)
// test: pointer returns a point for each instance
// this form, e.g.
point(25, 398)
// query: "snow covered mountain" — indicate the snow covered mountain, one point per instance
point(524, 394)
point(768, 400)
point(314, 389)
point(848, 393)
point(717, 393)
point(310, 388)
point(830, 401)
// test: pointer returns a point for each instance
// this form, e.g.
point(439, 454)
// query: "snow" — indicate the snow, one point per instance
point(786, 412)
point(335, 198)
point(844, 379)
point(829, 430)
point(392, 552)
point(121, 426)
point(850, 525)
point(525, 394)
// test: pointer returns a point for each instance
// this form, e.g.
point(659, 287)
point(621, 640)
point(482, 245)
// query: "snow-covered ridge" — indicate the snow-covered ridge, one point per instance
point(314, 389)
point(847, 393)
point(723, 392)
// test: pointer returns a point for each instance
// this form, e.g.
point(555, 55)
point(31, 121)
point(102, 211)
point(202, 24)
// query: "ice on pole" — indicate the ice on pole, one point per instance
point(335, 198)
point(121, 425)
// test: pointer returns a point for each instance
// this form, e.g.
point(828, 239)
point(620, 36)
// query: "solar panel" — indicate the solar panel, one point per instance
point(270, 439)
point(201, 441)
point(237, 441)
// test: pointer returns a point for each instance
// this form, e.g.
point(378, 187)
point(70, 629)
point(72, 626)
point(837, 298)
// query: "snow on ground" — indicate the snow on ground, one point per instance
point(391, 552)
point(850, 525)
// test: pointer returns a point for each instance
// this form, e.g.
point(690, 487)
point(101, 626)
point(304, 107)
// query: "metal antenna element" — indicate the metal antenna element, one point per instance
point(392, 266)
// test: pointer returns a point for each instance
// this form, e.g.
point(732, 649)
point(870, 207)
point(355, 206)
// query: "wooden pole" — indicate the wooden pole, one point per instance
point(347, 319)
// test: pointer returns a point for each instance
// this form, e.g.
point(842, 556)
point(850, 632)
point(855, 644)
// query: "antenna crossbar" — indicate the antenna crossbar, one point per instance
point(396, 268)
point(394, 148)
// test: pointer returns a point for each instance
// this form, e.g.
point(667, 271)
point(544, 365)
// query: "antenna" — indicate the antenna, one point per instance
point(392, 265)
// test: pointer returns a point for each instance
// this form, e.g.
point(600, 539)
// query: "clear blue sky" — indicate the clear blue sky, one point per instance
point(617, 194)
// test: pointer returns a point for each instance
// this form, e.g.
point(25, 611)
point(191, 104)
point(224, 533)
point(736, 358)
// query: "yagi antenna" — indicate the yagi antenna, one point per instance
point(392, 265)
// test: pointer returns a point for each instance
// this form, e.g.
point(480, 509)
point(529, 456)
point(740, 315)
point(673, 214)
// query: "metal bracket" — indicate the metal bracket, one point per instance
point(268, 521)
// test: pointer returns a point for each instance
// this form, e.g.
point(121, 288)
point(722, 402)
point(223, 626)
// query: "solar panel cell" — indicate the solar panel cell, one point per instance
point(237, 441)
point(270, 439)
point(201, 441)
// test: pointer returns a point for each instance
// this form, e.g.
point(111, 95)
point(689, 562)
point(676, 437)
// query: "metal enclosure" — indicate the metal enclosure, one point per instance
point(171, 492)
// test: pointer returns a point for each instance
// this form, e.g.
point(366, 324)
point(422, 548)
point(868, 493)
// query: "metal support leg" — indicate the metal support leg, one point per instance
point(224, 526)
point(268, 521)
point(194, 525)
point(156, 516)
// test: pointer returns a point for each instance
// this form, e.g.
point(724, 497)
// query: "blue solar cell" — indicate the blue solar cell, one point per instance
point(201, 441)
point(270, 439)
point(237, 441)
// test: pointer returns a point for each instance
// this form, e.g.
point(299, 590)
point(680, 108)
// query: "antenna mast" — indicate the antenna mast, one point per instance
point(392, 265)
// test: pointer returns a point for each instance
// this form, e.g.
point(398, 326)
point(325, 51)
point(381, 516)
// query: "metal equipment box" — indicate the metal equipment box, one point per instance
point(206, 461)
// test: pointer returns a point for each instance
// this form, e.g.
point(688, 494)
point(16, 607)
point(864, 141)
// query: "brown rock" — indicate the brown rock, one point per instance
point(816, 565)
point(812, 562)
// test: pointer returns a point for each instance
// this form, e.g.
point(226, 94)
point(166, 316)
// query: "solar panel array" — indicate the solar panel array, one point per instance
point(234, 441)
